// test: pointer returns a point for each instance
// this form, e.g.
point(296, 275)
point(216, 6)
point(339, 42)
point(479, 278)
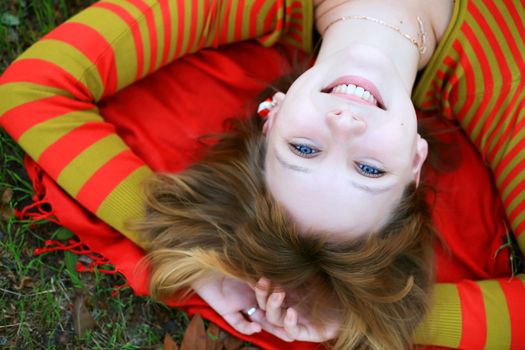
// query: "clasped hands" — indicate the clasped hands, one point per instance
point(230, 298)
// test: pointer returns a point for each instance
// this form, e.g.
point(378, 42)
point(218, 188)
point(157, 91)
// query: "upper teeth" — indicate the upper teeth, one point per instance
point(358, 91)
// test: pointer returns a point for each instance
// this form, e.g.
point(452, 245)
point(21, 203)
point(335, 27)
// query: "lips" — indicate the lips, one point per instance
point(360, 82)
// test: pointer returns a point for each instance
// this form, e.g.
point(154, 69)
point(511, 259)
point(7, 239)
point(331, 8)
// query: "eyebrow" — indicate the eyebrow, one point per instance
point(371, 190)
point(291, 166)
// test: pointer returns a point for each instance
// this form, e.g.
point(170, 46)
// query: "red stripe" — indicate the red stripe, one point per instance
point(58, 155)
point(486, 76)
point(131, 22)
point(520, 230)
point(268, 21)
point(518, 21)
point(505, 76)
point(507, 34)
point(238, 19)
point(166, 22)
point(514, 291)
point(470, 79)
point(92, 45)
point(152, 33)
point(254, 14)
point(193, 25)
point(474, 326)
point(222, 32)
point(106, 178)
point(520, 169)
point(520, 208)
point(297, 37)
point(509, 125)
point(515, 151)
point(180, 27)
point(30, 70)
point(22, 118)
point(206, 15)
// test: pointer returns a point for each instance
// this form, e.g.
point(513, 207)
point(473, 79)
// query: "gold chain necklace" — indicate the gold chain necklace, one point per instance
point(420, 43)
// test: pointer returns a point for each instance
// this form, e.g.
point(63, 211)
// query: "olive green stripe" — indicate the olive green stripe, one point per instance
point(188, 11)
point(218, 26)
point(125, 203)
point(230, 18)
point(507, 111)
point(496, 70)
point(478, 73)
point(460, 85)
point(38, 138)
point(21, 93)
point(518, 220)
point(158, 19)
point(444, 48)
point(516, 35)
point(199, 14)
point(80, 169)
point(273, 36)
point(96, 18)
point(463, 89)
point(71, 60)
point(211, 26)
point(498, 319)
point(124, 46)
point(443, 324)
point(247, 18)
point(516, 138)
point(520, 197)
point(262, 15)
point(174, 10)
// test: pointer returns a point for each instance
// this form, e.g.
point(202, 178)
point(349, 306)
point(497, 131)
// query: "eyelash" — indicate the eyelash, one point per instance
point(296, 148)
point(373, 171)
point(363, 169)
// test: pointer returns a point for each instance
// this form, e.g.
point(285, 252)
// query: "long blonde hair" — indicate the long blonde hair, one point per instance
point(218, 216)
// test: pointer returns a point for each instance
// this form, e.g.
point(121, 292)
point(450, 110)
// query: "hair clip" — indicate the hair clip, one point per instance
point(265, 107)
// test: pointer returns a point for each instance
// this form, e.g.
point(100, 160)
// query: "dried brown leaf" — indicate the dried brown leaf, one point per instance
point(213, 341)
point(25, 282)
point(82, 319)
point(232, 343)
point(7, 195)
point(195, 336)
point(169, 343)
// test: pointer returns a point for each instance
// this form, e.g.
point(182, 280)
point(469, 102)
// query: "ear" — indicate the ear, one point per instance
point(278, 99)
point(419, 158)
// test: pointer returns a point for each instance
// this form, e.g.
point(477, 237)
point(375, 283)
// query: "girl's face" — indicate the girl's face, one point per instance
point(338, 158)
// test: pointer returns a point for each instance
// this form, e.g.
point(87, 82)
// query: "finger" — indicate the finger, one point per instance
point(308, 332)
point(240, 324)
point(277, 331)
point(274, 308)
point(290, 323)
point(261, 292)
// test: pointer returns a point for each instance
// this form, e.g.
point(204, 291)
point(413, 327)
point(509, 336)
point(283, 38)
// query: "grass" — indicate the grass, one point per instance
point(40, 296)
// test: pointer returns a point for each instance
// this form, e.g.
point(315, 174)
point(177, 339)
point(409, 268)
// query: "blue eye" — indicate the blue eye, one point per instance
point(303, 150)
point(369, 170)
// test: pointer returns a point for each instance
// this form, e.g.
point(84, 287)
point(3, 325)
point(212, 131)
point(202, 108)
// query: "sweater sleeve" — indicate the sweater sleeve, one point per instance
point(487, 314)
point(475, 78)
point(50, 93)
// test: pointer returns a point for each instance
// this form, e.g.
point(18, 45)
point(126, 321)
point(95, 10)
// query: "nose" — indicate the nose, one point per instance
point(345, 122)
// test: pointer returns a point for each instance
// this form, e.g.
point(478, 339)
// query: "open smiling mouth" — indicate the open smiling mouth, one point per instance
point(356, 89)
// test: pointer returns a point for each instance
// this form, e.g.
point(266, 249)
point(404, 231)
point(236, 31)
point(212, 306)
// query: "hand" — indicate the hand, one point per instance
point(287, 323)
point(229, 297)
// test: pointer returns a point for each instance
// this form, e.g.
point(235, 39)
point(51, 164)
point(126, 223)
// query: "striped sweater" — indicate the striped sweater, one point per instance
point(475, 79)
point(49, 96)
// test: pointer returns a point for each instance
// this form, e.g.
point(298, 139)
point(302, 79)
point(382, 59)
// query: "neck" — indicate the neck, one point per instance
point(344, 34)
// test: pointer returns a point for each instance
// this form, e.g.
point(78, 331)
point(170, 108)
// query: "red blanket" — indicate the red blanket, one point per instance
point(161, 116)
